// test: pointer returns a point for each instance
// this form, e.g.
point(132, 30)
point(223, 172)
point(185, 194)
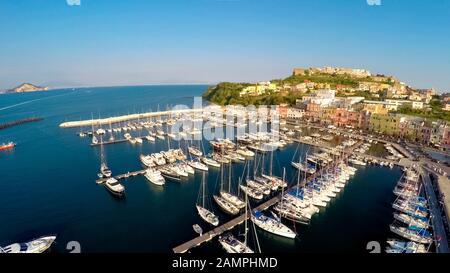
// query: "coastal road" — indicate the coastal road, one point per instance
point(436, 219)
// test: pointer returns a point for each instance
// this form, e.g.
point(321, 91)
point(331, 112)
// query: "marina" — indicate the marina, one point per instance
point(144, 197)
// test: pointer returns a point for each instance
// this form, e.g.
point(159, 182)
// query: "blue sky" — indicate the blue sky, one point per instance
point(112, 42)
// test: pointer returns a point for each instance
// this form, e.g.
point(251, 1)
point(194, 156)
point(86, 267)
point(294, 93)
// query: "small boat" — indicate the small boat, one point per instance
point(194, 151)
point(39, 245)
point(303, 167)
point(179, 171)
point(186, 168)
point(225, 205)
point(198, 229)
point(114, 186)
point(138, 140)
point(255, 194)
point(203, 212)
point(169, 173)
point(271, 225)
point(258, 186)
point(150, 138)
point(127, 136)
point(233, 199)
point(198, 165)
point(412, 233)
point(245, 152)
point(155, 177)
point(94, 140)
point(233, 245)
point(147, 160)
point(105, 172)
point(397, 246)
point(210, 162)
point(221, 159)
point(7, 146)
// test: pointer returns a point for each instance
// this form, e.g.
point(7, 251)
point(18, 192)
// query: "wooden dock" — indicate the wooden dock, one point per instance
point(109, 142)
point(122, 176)
point(223, 228)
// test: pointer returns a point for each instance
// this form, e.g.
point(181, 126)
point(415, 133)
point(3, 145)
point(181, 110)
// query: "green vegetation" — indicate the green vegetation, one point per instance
point(228, 93)
point(434, 112)
point(332, 80)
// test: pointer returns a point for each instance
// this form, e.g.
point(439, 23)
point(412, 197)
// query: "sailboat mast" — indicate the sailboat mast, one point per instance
point(246, 218)
point(203, 192)
point(271, 162)
point(229, 178)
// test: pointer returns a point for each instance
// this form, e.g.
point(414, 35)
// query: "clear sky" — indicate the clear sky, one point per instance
point(128, 42)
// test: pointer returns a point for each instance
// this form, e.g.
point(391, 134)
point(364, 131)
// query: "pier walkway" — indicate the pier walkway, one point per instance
point(112, 120)
point(223, 228)
point(122, 176)
point(440, 235)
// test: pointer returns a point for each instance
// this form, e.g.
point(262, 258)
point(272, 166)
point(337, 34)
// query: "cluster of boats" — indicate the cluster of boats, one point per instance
point(301, 202)
point(263, 142)
point(411, 216)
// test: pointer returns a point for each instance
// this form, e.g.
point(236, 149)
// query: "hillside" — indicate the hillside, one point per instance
point(229, 93)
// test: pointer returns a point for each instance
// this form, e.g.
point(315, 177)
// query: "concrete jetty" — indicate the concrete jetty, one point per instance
point(112, 120)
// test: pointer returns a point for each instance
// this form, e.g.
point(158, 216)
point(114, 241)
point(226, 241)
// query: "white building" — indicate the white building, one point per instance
point(323, 97)
point(414, 104)
point(294, 113)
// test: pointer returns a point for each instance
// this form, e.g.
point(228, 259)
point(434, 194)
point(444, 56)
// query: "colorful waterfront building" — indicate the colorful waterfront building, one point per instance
point(385, 124)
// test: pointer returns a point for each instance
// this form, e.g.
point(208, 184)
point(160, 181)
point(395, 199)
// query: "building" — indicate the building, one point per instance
point(378, 107)
point(412, 104)
point(385, 124)
point(346, 102)
point(258, 89)
point(282, 110)
point(323, 97)
point(295, 113)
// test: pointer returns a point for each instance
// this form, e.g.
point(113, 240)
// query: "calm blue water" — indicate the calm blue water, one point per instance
point(47, 183)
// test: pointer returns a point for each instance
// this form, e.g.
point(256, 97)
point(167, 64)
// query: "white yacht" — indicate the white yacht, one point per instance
point(179, 171)
point(211, 162)
point(198, 165)
point(39, 245)
point(233, 245)
point(208, 216)
point(194, 151)
point(147, 160)
point(114, 186)
point(245, 152)
point(255, 194)
point(105, 172)
point(94, 140)
point(271, 225)
point(225, 205)
point(155, 177)
point(236, 201)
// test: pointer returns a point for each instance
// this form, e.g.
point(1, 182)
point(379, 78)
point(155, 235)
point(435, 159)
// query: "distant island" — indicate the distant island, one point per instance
point(26, 87)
